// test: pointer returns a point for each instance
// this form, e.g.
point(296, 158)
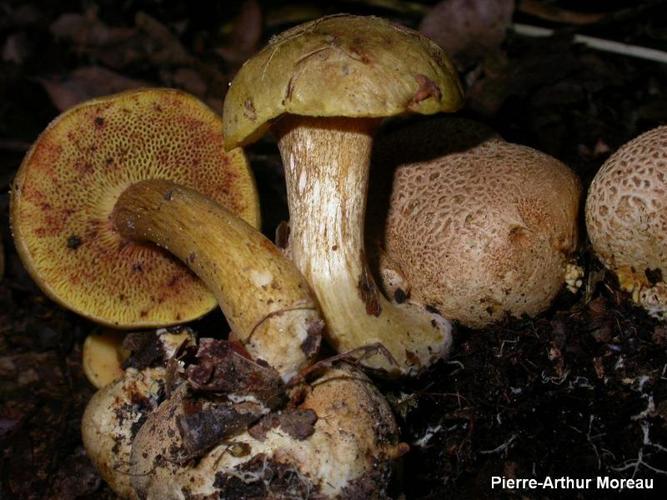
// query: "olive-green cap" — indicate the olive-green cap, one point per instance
point(340, 65)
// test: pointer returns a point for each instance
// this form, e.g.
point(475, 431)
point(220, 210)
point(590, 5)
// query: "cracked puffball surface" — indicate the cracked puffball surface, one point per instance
point(326, 84)
point(477, 227)
point(112, 419)
point(626, 218)
point(69, 181)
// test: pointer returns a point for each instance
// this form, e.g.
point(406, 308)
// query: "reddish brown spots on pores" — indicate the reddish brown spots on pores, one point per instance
point(45, 155)
point(174, 280)
point(358, 53)
point(99, 122)
point(84, 167)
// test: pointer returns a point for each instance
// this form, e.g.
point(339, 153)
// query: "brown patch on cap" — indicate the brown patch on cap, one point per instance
point(427, 88)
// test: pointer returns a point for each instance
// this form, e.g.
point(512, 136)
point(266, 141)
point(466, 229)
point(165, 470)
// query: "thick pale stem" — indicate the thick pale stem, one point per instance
point(326, 167)
point(263, 296)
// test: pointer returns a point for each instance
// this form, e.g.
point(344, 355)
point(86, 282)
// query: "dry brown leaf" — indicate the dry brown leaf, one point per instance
point(167, 48)
point(246, 34)
point(86, 30)
point(86, 83)
point(468, 29)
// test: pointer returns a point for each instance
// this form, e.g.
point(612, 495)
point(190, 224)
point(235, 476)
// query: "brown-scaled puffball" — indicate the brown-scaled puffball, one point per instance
point(475, 227)
point(626, 217)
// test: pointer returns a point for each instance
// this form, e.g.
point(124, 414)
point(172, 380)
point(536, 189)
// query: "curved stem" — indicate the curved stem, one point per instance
point(326, 167)
point(264, 297)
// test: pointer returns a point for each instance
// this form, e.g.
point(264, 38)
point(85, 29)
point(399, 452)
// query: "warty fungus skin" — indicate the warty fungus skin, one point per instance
point(323, 87)
point(626, 218)
point(475, 227)
point(111, 275)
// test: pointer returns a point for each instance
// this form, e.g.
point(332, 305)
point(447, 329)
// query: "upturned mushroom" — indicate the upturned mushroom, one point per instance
point(474, 226)
point(626, 218)
point(322, 88)
point(98, 184)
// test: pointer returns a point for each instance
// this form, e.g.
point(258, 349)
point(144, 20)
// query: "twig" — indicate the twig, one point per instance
point(555, 14)
point(14, 145)
point(597, 43)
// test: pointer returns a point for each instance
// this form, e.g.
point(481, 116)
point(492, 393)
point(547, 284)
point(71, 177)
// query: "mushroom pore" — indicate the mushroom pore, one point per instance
point(326, 84)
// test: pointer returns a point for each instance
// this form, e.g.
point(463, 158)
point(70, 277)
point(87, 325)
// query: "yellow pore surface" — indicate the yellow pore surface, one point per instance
point(68, 184)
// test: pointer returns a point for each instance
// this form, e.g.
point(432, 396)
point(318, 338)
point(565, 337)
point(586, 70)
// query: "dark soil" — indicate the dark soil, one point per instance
point(580, 391)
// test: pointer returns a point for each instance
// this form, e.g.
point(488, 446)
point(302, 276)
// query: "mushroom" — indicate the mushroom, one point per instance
point(626, 218)
point(103, 357)
point(475, 227)
point(97, 184)
point(322, 88)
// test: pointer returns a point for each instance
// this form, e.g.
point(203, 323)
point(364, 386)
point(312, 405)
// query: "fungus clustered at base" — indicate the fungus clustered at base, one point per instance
point(188, 416)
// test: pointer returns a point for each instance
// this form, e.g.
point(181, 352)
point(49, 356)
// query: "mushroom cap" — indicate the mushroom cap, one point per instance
point(340, 65)
point(69, 181)
point(478, 232)
point(626, 208)
point(103, 357)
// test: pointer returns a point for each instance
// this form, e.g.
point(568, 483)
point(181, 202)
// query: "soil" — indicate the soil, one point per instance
point(579, 391)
